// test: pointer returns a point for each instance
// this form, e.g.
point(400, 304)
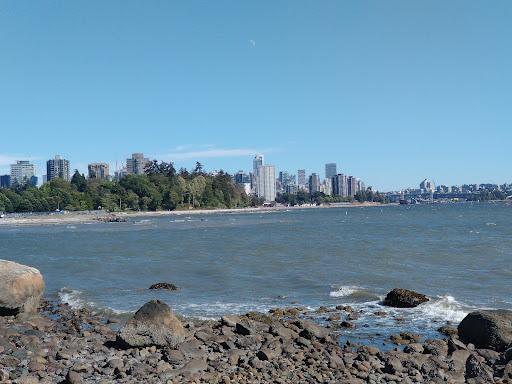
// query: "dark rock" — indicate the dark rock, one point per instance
point(447, 330)
point(153, 324)
point(487, 329)
point(403, 298)
point(168, 286)
point(476, 369)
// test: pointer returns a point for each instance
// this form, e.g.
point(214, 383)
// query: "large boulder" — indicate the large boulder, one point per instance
point(21, 288)
point(487, 329)
point(153, 324)
point(403, 298)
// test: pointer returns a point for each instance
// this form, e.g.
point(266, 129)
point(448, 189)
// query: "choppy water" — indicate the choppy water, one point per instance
point(459, 254)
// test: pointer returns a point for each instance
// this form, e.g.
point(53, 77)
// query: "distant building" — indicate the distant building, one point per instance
point(5, 181)
point(340, 185)
point(136, 165)
point(327, 187)
point(314, 183)
point(301, 178)
point(99, 171)
point(285, 180)
point(33, 181)
point(360, 186)
point(330, 170)
point(427, 186)
point(21, 172)
point(242, 178)
point(267, 182)
point(257, 162)
point(352, 188)
point(57, 168)
point(45, 179)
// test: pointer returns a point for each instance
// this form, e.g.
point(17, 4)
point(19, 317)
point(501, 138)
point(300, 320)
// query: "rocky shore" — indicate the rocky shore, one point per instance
point(59, 344)
point(49, 342)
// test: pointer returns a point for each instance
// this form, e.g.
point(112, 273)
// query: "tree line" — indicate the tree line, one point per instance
point(162, 187)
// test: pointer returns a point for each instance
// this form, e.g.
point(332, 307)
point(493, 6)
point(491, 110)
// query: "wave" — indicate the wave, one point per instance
point(345, 290)
point(445, 308)
point(76, 300)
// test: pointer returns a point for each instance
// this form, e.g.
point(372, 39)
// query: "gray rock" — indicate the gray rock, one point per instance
point(153, 324)
point(21, 288)
point(194, 366)
point(404, 298)
point(487, 329)
point(73, 377)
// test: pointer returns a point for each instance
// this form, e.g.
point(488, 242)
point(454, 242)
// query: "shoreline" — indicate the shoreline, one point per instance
point(61, 344)
point(81, 217)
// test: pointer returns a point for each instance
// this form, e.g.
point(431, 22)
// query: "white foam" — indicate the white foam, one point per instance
point(345, 290)
point(73, 298)
point(444, 308)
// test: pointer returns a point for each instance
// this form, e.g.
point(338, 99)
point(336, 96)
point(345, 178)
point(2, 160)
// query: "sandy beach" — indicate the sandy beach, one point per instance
point(69, 217)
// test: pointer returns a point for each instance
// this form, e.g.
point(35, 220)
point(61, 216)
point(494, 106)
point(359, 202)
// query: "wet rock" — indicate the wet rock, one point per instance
point(447, 330)
point(153, 324)
point(167, 286)
point(487, 329)
point(21, 288)
point(404, 298)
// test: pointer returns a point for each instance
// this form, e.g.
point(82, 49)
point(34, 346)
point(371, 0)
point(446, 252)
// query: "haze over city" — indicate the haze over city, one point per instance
point(393, 92)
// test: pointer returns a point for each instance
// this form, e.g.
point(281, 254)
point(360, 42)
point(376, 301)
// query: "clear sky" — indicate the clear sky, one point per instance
point(392, 91)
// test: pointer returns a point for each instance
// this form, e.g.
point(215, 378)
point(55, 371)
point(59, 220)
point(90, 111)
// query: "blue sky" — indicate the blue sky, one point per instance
point(392, 91)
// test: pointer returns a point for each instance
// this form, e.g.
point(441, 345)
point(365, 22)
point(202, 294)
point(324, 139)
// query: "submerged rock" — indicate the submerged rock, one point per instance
point(21, 288)
point(168, 286)
point(153, 324)
point(404, 298)
point(487, 329)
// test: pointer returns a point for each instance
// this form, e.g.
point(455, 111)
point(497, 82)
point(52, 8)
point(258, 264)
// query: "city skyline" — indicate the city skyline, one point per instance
point(392, 92)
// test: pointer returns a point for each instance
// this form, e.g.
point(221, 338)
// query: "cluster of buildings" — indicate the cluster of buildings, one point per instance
point(428, 191)
point(262, 181)
point(23, 172)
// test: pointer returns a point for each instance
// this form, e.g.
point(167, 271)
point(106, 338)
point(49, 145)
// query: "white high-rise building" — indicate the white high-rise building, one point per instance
point(22, 172)
point(266, 186)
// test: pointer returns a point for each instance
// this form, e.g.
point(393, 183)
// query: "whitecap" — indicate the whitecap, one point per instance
point(444, 308)
point(345, 290)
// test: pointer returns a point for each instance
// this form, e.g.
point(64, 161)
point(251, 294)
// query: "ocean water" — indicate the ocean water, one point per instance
point(458, 254)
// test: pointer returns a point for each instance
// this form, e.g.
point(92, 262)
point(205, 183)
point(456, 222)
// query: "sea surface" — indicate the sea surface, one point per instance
point(458, 254)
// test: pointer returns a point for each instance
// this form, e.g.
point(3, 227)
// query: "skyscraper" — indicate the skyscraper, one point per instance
point(352, 186)
point(301, 178)
point(57, 168)
point(314, 183)
point(136, 165)
point(22, 172)
point(267, 182)
point(98, 171)
point(330, 170)
point(257, 162)
point(339, 185)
